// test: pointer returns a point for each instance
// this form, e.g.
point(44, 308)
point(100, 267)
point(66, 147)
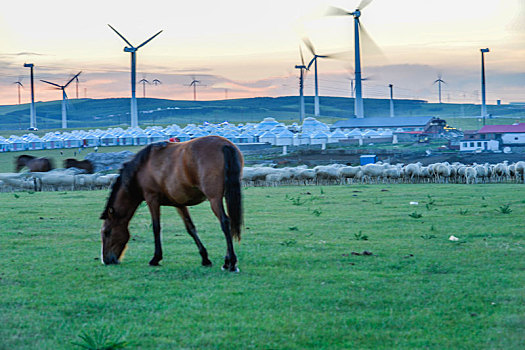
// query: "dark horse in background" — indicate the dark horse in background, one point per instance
point(178, 175)
point(33, 163)
point(79, 164)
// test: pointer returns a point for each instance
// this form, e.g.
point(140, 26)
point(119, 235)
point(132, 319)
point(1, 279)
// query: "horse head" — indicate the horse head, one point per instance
point(115, 236)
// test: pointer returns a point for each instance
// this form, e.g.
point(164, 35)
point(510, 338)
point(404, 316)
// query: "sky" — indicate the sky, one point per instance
point(245, 48)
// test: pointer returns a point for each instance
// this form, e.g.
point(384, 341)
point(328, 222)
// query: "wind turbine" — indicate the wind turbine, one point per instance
point(311, 48)
point(194, 83)
point(144, 81)
point(32, 110)
point(156, 82)
point(133, 50)
point(76, 83)
point(64, 97)
point(19, 84)
point(439, 81)
point(302, 67)
point(358, 29)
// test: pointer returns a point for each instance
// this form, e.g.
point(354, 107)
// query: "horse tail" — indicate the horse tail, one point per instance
point(232, 189)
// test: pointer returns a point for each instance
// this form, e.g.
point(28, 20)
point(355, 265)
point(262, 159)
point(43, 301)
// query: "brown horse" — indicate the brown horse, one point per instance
point(79, 164)
point(179, 175)
point(33, 163)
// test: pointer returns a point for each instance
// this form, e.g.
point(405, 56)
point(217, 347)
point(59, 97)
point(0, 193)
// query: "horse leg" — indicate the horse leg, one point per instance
point(154, 209)
point(190, 227)
point(230, 260)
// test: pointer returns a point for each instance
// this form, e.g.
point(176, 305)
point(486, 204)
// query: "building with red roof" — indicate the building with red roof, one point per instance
point(513, 134)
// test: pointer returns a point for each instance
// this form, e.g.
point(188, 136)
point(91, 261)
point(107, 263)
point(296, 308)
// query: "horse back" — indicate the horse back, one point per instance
point(187, 172)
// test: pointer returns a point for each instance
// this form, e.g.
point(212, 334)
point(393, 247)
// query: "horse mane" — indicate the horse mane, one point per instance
point(128, 172)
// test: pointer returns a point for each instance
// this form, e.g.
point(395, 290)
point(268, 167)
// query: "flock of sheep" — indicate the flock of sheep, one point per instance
point(71, 179)
point(385, 173)
point(56, 180)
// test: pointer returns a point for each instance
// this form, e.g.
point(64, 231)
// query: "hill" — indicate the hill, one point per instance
point(87, 113)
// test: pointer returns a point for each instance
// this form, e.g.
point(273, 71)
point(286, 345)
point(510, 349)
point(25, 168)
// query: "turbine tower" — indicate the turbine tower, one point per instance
point(133, 50)
point(19, 84)
point(311, 48)
point(483, 95)
point(334, 11)
point(64, 97)
point(391, 86)
point(439, 81)
point(144, 81)
point(302, 67)
point(32, 118)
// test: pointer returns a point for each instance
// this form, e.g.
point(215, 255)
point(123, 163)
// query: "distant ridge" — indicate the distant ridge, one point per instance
point(103, 113)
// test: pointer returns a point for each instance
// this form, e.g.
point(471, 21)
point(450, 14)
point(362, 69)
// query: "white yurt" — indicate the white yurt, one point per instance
point(52, 141)
point(369, 134)
point(182, 136)
point(312, 125)
point(354, 134)
point(17, 143)
point(71, 141)
point(267, 124)
point(156, 136)
point(247, 136)
point(337, 136)
point(172, 130)
point(90, 140)
point(268, 137)
point(33, 142)
point(284, 138)
point(108, 139)
point(140, 138)
point(4, 145)
point(124, 138)
point(319, 138)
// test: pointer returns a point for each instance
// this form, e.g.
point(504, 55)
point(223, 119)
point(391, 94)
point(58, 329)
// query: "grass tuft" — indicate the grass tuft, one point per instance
point(415, 215)
point(360, 236)
point(504, 209)
point(102, 339)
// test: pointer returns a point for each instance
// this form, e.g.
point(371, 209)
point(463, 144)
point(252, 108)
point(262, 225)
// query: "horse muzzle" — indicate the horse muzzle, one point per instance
point(111, 259)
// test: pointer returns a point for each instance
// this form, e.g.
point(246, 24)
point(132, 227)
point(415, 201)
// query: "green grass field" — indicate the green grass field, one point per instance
point(300, 286)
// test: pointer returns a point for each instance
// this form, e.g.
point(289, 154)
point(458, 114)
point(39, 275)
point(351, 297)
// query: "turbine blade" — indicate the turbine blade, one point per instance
point(370, 47)
point(363, 4)
point(336, 11)
point(309, 45)
point(311, 62)
point(48, 82)
point(301, 53)
point(70, 80)
point(343, 55)
point(147, 41)
point(126, 40)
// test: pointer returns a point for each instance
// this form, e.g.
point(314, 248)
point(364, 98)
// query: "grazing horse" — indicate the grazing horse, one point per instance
point(79, 164)
point(179, 175)
point(33, 163)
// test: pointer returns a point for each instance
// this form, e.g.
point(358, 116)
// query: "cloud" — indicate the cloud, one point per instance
point(21, 54)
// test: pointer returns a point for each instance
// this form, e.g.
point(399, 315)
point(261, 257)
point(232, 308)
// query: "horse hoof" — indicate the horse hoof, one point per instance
point(207, 263)
point(154, 263)
point(235, 269)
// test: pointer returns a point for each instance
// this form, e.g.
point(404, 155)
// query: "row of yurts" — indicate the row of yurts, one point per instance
point(269, 130)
